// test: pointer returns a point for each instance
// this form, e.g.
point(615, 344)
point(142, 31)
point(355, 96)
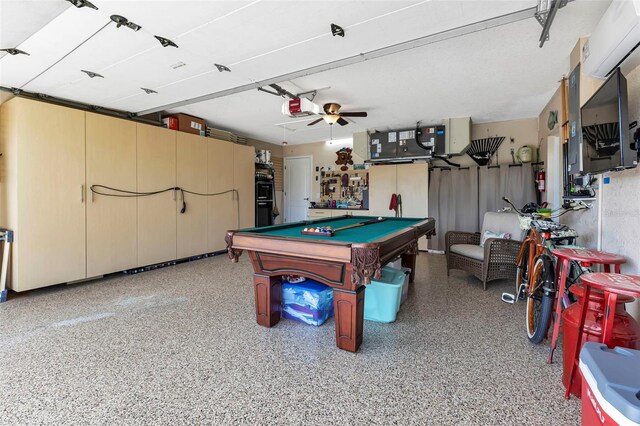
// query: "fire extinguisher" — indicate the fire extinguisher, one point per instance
point(540, 180)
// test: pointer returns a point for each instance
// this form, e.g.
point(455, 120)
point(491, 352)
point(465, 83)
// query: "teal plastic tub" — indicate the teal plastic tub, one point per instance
point(382, 297)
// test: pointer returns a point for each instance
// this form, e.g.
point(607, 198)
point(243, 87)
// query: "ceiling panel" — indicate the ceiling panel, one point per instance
point(51, 43)
point(169, 18)
point(20, 19)
point(107, 47)
point(497, 74)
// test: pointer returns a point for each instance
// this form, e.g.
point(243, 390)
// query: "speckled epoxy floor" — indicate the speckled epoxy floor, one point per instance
point(180, 346)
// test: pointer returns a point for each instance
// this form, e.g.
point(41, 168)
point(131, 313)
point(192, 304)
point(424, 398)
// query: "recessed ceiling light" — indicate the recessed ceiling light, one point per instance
point(122, 21)
point(337, 30)
point(82, 3)
point(92, 74)
point(14, 51)
point(222, 68)
point(148, 91)
point(165, 42)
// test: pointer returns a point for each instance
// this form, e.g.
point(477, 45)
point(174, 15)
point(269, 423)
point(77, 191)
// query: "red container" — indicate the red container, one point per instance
point(626, 330)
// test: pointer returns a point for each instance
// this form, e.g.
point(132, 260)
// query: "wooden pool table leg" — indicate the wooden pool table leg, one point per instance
point(349, 313)
point(268, 294)
point(409, 261)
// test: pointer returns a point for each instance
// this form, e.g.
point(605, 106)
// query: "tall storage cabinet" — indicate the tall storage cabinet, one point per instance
point(44, 192)
point(244, 159)
point(411, 181)
point(192, 164)
point(111, 221)
point(51, 155)
point(157, 235)
point(221, 208)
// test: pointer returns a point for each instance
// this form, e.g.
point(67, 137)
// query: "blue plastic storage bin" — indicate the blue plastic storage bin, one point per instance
point(310, 302)
point(382, 297)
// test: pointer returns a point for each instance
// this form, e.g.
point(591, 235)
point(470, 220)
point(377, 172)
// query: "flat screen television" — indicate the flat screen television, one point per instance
point(604, 121)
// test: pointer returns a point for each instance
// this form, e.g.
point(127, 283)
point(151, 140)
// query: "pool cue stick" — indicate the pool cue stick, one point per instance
point(355, 225)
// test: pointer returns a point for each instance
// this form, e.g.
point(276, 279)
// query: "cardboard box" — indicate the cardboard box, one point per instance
point(170, 123)
point(189, 124)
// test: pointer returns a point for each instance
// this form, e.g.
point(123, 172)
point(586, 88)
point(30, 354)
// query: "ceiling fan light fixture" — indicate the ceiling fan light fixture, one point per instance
point(222, 68)
point(165, 42)
point(82, 3)
point(330, 118)
point(13, 51)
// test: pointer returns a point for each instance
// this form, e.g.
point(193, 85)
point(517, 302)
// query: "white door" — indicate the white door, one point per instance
point(297, 188)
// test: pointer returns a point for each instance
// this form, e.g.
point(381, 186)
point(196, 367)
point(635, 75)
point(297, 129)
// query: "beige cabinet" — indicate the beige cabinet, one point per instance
point(111, 221)
point(244, 159)
point(318, 213)
point(221, 208)
point(322, 213)
point(382, 183)
point(44, 192)
point(156, 171)
point(411, 181)
point(192, 175)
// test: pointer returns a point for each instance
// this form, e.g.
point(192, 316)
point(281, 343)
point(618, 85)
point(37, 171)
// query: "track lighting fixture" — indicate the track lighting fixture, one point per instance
point(148, 91)
point(337, 30)
point(165, 42)
point(92, 74)
point(122, 21)
point(82, 3)
point(14, 51)
point(222, 68)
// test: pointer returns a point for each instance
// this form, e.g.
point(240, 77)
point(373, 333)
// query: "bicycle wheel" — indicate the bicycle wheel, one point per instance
point(539, 300)
point(522, 271)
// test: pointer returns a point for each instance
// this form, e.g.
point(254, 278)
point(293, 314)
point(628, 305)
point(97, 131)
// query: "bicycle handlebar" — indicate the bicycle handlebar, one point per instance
point(577, 205)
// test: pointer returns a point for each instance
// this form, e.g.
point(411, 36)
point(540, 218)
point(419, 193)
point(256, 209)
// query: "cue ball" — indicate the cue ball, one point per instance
point(380, 218)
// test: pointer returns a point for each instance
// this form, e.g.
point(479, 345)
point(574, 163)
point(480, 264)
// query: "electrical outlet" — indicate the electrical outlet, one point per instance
point(512, 151)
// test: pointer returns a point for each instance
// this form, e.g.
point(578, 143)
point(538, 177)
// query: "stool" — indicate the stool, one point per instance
point(565, 255)
point(611, 285)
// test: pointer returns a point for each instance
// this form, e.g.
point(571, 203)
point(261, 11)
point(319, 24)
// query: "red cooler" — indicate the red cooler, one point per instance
point(610, 385)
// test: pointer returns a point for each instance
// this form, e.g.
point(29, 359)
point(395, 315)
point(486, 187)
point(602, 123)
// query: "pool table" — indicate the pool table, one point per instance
point(346, 261)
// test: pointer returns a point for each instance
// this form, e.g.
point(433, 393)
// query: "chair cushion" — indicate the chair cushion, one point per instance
point(490, 234)
point(501, 223)
point(468, 250)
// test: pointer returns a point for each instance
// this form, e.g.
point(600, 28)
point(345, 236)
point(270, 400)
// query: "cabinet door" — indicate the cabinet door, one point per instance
point(156, 157)
point(412, 182)
point(382, 183)
point(111, 221)
point(319, 214)
point(244, 160)
point(50, 239)
point(192, 175)
point(221, 208)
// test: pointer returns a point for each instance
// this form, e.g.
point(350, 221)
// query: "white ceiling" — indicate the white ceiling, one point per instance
point(495, 74)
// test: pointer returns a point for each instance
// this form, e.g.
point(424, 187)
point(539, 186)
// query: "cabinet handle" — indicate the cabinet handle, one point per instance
point(82, 193)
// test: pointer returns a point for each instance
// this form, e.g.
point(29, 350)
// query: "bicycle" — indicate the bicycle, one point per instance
point(539, 287)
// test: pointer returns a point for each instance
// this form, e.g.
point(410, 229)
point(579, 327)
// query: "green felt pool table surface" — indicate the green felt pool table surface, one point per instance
point(362, 234)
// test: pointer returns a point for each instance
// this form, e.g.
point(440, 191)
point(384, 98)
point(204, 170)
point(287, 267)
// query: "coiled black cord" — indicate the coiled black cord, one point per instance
point(123, 193)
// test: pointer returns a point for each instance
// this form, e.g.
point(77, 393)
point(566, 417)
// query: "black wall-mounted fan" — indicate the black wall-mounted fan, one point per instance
point(332, 115)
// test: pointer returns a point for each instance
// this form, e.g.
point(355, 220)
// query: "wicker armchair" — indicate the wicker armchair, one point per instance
point(497, 259)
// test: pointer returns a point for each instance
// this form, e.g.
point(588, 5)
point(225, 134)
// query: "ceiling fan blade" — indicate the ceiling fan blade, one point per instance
point(341, 121)
point(315, 122)
point(354, 114)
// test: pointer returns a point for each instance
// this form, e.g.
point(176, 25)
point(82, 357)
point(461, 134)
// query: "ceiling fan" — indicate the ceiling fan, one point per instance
point(333, 115)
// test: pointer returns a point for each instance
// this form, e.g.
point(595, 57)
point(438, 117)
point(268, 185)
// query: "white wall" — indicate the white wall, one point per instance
point(617, 205)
